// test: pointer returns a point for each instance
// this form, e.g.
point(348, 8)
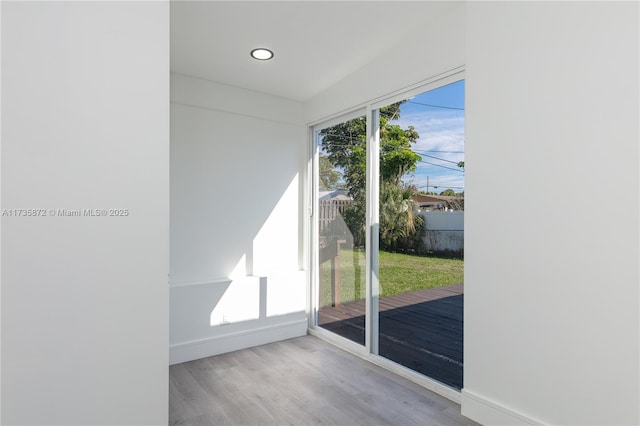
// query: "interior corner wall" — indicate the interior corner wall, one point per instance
point(85, 127)
point(551, 248)
point(237, 172)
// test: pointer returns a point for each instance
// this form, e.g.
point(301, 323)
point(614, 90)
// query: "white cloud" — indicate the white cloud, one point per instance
point(439, 131)
point(442, 131)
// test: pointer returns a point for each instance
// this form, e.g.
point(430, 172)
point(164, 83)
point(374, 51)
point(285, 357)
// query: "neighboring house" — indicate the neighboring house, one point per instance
point(336, 195)
point(438, 202)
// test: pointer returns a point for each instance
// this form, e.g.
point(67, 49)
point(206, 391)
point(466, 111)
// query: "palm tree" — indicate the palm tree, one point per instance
point(400, 228)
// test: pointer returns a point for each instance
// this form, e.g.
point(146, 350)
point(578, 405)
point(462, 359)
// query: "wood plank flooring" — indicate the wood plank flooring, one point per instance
point(421, 330)
point(301, 381)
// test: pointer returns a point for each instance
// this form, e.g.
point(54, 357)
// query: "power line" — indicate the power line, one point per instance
point(444, 152)
point(444, 167)
point(435, 106)
point(436, 158)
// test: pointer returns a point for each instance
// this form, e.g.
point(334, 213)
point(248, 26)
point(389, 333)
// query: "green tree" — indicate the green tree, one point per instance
point(400, 228)
point(345, 147)
point(329, 176)
point(354, 217)
point(396, 157)
point(448, 192)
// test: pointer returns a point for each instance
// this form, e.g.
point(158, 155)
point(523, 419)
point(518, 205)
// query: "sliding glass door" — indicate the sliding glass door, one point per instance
point(388, 215)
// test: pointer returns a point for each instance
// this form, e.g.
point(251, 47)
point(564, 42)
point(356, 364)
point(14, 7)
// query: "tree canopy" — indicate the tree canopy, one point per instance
point(344, 147)
point(329, 176)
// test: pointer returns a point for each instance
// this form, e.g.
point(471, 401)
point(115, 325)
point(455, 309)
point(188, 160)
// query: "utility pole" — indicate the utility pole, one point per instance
point(427, 184)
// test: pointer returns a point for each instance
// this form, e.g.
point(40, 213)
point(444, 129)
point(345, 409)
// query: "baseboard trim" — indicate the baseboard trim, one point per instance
point(487, 412)
point(216, 345)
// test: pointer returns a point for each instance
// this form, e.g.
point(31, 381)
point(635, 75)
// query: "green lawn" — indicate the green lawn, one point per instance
point(399, 273)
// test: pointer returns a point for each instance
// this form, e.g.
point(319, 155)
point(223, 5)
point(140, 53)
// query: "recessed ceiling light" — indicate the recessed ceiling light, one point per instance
point(261, 54)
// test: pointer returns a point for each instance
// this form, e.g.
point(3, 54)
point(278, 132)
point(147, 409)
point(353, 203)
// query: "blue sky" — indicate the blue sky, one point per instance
point(438, 117)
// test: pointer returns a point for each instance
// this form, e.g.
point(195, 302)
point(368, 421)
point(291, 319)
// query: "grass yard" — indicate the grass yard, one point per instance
point(399, 273)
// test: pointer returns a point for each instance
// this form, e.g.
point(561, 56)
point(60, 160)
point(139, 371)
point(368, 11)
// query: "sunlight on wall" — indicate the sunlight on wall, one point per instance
point(275, 246)
point(286, 293)
point(240, 302)
point(276, 287)
point(240, 270)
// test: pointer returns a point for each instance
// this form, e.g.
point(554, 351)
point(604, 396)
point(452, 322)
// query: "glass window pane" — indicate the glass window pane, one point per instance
point(421, 236)
point(341, 229)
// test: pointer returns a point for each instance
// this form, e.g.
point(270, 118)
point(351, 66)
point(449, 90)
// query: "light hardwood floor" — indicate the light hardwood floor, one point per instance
point(301, 381)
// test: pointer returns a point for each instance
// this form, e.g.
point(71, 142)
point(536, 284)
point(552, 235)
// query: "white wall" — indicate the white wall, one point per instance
point(85, 115)
point(236, 163)
point(432, 49)
point(551, 298)
point(444, 230)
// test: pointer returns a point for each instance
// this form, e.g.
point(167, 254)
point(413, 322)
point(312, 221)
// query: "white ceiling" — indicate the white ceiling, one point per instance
point(316, 43)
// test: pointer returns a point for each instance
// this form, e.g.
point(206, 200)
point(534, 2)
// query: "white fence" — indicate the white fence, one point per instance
point(330, 217)
point(445, 230)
